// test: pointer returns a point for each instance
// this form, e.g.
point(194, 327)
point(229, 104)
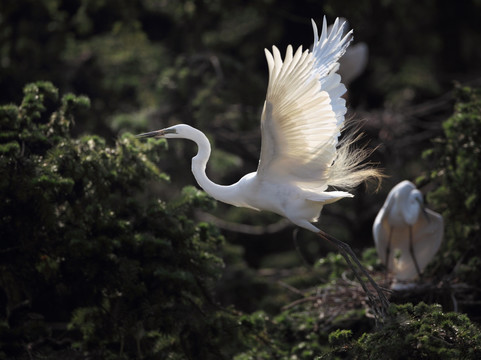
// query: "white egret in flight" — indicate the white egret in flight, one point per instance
point(301, 156)
point(407, 236)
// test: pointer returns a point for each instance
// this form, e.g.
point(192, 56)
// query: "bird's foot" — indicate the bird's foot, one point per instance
point(379, 304)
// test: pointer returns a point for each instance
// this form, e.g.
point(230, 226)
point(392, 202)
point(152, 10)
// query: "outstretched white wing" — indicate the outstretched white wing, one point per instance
point(304, 111)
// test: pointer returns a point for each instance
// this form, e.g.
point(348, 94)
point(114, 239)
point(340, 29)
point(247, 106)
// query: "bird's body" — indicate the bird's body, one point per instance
point(257, 192)
point(302, 119)
point(406, 235)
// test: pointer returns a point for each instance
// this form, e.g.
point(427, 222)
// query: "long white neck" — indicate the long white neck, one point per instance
point(228, 194)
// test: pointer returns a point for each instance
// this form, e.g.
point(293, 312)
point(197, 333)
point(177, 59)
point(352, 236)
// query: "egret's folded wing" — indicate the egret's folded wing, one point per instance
point(304, 111)
point(380, 232)
point(427, 238)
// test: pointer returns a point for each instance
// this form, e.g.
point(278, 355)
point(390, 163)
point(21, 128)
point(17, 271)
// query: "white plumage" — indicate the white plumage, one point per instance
point(354, 61)
point(304, 111)
point(406, 235)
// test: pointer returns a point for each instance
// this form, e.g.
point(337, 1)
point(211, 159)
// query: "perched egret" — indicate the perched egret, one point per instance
point(300, 156)
point(406, 234)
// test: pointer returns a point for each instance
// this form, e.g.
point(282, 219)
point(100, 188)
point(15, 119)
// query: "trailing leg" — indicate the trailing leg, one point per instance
point(348, 254)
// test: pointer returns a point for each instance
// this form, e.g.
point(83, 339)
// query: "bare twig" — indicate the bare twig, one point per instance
point(242, 228)
point(290, 287)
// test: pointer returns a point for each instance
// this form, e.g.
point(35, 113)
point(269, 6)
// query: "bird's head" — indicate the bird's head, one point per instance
point(417, 197)
point(176, 131)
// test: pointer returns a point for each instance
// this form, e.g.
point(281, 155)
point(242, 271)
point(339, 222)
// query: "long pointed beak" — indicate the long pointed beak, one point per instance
point(156, 134)
point(423, 209)
point(425, 213)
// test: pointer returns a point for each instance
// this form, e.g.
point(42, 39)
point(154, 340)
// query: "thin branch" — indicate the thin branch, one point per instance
point(242, 228)
point(290, 287)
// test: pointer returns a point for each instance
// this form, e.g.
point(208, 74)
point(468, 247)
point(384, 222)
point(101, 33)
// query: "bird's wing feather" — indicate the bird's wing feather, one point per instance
point(304, 111)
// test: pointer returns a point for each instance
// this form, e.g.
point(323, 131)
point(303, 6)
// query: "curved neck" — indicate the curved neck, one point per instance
point(413, 208)
point(227, 194)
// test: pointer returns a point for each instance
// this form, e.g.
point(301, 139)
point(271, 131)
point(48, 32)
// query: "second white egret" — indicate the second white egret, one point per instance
point(406, 234)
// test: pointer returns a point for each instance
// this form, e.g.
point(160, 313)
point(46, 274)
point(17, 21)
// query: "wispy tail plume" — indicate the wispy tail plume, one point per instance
point(349, 169)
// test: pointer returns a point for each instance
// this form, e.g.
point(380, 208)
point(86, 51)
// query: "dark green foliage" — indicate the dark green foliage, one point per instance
point(292, 334)
point(82, 242)
point(414, 332)
point(457, 159)
point(339, 337)
point(302, 330)
point(409, 332)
